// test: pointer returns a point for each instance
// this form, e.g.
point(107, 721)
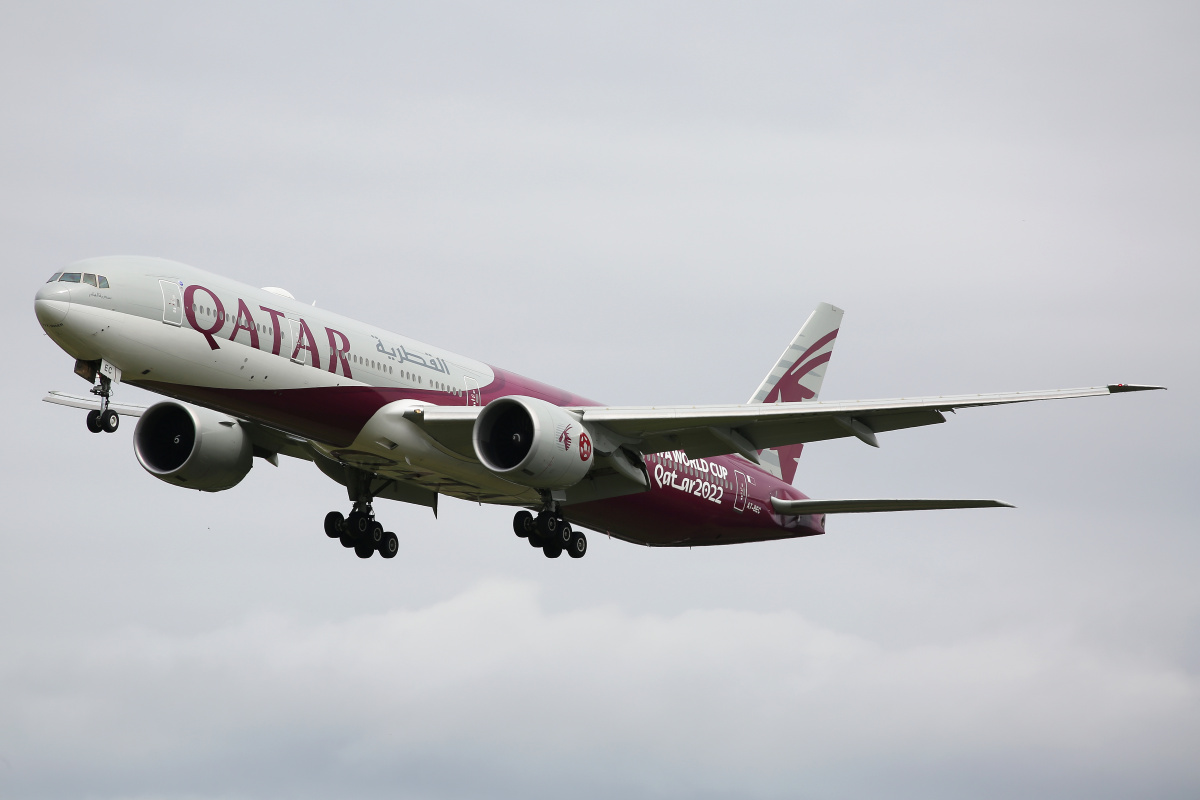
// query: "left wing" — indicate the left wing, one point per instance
point(703, 431)
point(92, 404)
point(270, 442)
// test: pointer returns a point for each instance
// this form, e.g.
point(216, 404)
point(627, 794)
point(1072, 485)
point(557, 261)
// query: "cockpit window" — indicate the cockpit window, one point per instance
point(71, 277)
point(103, 281)
point(54, 277)
point(89, 279)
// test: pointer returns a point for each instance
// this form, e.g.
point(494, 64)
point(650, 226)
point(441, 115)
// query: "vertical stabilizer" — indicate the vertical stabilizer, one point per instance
point(797, 376)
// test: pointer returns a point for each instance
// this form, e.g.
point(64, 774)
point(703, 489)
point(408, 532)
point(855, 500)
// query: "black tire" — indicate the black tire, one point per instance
point(347, 540)
point(578, 546)
point(548, 525)
point(334, 524)
point(565, 535)
point(390, 545)
point(109, 421)
point(374, 536)
point(523, 524)
point(364, 550)
point(93, 421)
point(552, 551)
point(360, 524)
point(535, 540)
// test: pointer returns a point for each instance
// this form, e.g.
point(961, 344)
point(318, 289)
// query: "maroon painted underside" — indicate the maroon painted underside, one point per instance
point(663, 516)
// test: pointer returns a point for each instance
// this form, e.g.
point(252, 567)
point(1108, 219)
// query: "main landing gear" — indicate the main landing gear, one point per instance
point(361, 531)
point(105, 420)
point(550, 532)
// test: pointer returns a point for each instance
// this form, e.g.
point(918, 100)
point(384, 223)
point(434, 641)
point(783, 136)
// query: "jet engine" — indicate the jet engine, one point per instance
point(192, 447)
point(533, 443)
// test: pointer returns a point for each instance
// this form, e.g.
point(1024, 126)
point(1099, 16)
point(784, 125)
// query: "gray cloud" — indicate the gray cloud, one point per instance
point(734, 702)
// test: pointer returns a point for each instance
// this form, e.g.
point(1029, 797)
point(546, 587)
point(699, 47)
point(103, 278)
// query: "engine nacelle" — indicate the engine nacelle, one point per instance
point(533, 443)
point(192, 447)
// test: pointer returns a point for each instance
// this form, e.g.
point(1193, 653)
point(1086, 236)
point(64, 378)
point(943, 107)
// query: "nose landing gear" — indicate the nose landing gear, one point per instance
point(104, 420)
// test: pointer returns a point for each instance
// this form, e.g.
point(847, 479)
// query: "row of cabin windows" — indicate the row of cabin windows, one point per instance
point(375, 365)
point(99, 281)
point(409, 376)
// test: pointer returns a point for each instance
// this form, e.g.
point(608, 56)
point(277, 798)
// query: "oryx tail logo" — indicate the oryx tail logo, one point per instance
point(791, 388)
point(564, 438)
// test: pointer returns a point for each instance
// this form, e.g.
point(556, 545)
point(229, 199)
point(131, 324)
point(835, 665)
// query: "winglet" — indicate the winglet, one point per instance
point(1116, 388)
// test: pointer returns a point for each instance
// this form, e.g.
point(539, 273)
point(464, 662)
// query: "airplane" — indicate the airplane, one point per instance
point(254, 373)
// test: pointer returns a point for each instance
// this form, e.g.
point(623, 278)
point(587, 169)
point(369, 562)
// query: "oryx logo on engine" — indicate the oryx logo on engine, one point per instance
point(564, 437)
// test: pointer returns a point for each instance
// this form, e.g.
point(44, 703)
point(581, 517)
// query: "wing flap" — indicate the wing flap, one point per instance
point(793, 507)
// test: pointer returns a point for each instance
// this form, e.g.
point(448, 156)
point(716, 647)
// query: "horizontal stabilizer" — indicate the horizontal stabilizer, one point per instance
point(792, 507)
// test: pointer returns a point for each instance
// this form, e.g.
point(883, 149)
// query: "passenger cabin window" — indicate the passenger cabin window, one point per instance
point(103, 282)
point(89, 279)
point(71, 277)
point(54, 277)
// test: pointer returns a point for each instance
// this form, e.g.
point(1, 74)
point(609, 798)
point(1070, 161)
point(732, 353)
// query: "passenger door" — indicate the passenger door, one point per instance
point(739, 496)
point(172, 303)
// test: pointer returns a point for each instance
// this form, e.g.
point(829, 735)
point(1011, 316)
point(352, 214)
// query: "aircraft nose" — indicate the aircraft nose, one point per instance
point(52, 303)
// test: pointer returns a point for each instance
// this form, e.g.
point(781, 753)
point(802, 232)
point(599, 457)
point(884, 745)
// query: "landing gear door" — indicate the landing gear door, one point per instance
point(739, 496)
point(473, 392)
point(172, 303)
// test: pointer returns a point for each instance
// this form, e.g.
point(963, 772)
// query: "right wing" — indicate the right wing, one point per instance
point(704, 431)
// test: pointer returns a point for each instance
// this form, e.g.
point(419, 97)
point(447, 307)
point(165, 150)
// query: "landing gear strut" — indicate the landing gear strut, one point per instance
point(550, 532)
point(104, 420)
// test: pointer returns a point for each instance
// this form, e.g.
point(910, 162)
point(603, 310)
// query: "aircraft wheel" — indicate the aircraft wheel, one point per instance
point(390, 545)
point(364, 550)
point(535, 540)
point(374, 536)
point(565, 535)
point(359, 524)
point(93, 421)
point(578, 546)
point(335, 523)
point(523, 524)
point(109, 421)
point(347, 539)
point(552, 551)
point(548, 525)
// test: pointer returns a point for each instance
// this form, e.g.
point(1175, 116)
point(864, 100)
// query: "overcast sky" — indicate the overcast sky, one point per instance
point(641, 203)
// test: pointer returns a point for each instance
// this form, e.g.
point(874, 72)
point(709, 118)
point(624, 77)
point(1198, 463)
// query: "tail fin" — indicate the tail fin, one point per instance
point(797, 376)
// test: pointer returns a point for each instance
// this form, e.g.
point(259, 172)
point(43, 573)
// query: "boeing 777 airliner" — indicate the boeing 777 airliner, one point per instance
point(254, 373)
